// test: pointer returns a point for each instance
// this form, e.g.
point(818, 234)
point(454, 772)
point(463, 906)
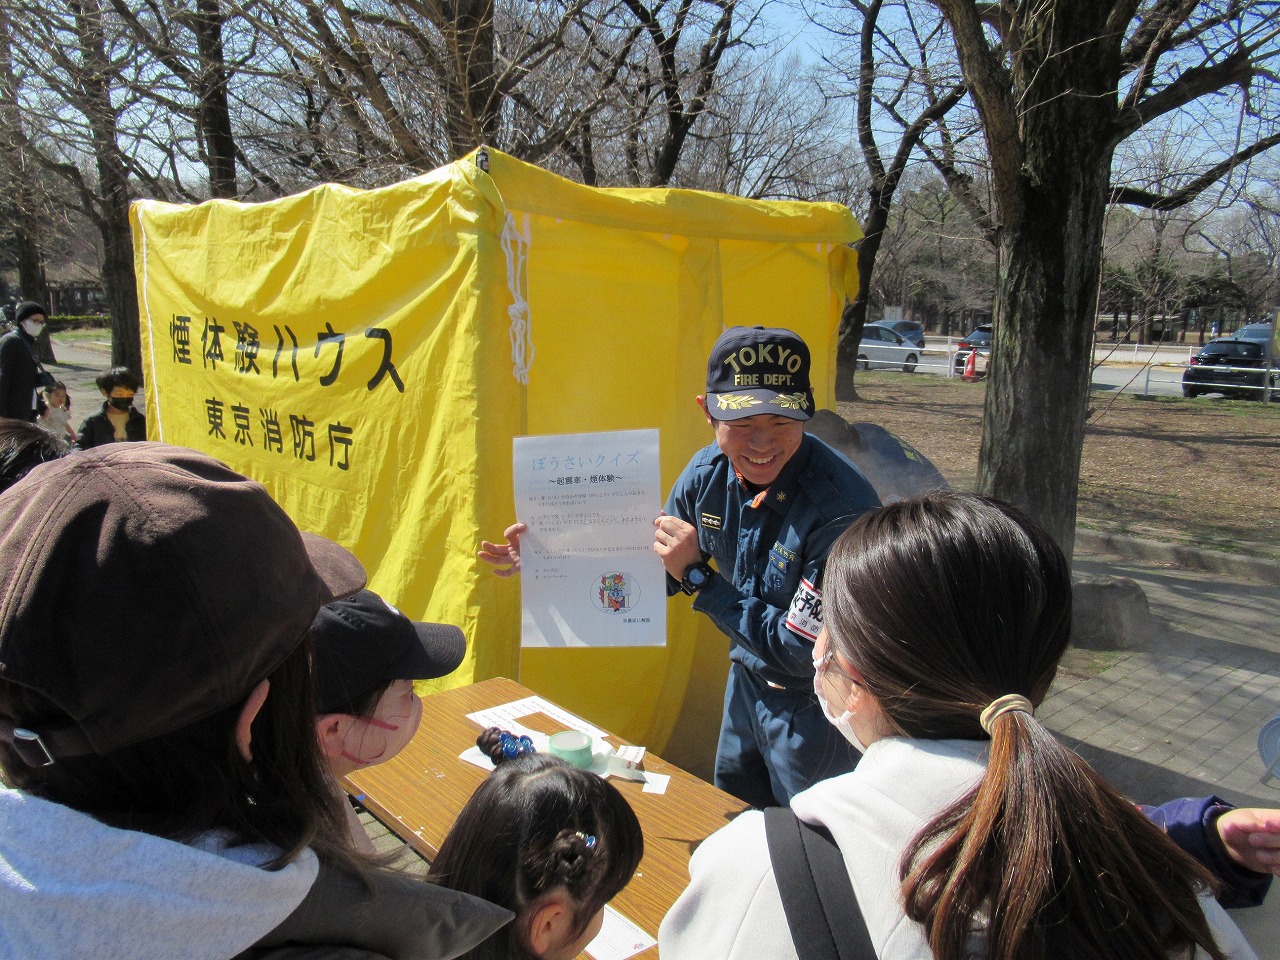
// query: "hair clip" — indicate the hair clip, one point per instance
point(588, 839)
point(513, 746)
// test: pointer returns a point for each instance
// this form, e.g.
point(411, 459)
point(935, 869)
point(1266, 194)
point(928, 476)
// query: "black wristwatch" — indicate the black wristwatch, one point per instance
point(696, 577)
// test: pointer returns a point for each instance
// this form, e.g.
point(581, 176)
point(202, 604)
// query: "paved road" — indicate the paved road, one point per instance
point(1120, 368)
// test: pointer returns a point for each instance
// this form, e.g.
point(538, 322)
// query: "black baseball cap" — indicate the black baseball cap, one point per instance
point(144, 587)
point(362, 642)
point(759, 370)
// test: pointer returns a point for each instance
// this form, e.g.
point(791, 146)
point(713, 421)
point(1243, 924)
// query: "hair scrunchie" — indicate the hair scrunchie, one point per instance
point(1002, 705)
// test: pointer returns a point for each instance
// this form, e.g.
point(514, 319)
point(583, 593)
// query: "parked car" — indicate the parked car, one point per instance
point(1229, 366)
point(980, 340)
point(884, 347)
point(909, 330)
point(1258, 332)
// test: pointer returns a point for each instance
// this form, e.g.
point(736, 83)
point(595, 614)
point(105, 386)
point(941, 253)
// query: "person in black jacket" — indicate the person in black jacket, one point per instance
point(20, 370)
point(118, 420)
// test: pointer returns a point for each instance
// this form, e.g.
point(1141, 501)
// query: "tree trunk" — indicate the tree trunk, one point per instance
point(112, 213)
point(1046, 298)
point(473, 115)
point(214, 114)
point(854, 317)
point(1051, 187)
point(31, 275)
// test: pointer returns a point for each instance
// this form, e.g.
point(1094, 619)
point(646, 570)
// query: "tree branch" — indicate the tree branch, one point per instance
point(1132, 196)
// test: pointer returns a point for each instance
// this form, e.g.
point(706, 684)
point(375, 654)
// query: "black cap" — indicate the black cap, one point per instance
point(759, 370)
point(363, 642)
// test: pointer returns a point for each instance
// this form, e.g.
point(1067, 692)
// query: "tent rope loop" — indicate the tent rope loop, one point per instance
point(515, 245)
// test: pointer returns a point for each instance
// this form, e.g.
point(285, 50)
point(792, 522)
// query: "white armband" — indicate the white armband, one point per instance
point(805, 614)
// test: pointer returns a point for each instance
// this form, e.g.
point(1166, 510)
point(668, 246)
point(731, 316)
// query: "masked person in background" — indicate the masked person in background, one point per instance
point(118, 420)
point(21, 375)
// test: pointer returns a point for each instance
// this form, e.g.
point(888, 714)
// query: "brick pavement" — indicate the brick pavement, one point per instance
point(1181, 717)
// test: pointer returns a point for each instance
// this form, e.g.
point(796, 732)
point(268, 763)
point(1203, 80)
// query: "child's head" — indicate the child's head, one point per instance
point(367, 656)
point(23, 447)
point(943, 603)
point(549, 841)
point(118, 385)
point(56, 395)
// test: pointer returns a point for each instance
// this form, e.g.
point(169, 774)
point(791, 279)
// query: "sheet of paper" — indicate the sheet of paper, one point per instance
point(618, 938)
point(589, 576)
point(507, 716)
point(631, 754)
point(656, 782)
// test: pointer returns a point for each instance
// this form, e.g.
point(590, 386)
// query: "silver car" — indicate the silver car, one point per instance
point(882, 347)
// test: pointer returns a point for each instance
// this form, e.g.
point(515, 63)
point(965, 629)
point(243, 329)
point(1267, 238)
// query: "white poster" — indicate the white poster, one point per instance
point(588, 573)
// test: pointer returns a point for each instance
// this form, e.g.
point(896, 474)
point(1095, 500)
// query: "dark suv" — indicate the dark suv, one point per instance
point(1227, 366)
point(979, 340)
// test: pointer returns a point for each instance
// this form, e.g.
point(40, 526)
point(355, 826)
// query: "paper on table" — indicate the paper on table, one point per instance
point(656, 782)
point(631, 754)
point(589, 576)
point(618, 938)
point(507, 716)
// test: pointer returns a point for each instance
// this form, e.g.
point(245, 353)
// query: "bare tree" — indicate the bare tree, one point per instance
point(75, 62)
point(767, 133)
point(1059, 85)
point(186, 39)
point(27, 211)
point(897, 62)
point(610, 89)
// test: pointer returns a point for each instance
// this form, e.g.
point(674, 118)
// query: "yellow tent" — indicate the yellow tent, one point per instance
point(370, 354)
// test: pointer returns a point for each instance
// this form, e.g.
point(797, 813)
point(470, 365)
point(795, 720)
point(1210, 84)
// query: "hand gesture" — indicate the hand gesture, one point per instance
point(1251, 836)
point(505, 557)
point(676, 542)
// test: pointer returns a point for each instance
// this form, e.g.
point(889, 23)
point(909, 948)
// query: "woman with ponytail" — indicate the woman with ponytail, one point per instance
point(549, 842)
point(967, 830)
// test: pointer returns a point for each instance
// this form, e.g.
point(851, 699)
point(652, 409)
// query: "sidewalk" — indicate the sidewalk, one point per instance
point(1181, 718)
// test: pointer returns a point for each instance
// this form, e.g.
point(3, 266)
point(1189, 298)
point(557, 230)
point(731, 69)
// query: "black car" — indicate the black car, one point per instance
point(1228, 366)
point(979, 340)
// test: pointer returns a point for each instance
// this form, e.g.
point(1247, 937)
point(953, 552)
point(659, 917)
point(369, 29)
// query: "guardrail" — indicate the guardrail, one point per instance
point(930, 361)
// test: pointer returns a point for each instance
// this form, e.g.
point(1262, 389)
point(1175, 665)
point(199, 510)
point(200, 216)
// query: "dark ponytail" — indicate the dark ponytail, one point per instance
point(538, 826)
point(944, 604)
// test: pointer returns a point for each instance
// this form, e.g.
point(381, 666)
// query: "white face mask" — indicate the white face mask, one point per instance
point(33, 328)
point(841, 722)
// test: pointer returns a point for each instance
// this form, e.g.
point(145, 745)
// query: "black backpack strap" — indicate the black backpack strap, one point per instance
point(817, 896)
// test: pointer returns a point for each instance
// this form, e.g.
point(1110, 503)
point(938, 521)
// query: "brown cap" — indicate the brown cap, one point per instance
point(144, 587)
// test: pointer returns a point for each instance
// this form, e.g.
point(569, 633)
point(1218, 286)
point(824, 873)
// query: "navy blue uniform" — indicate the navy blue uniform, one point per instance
point(769, 550)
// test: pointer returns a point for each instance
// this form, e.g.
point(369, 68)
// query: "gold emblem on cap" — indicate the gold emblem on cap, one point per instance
point(736, 401)
point(791, 401)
